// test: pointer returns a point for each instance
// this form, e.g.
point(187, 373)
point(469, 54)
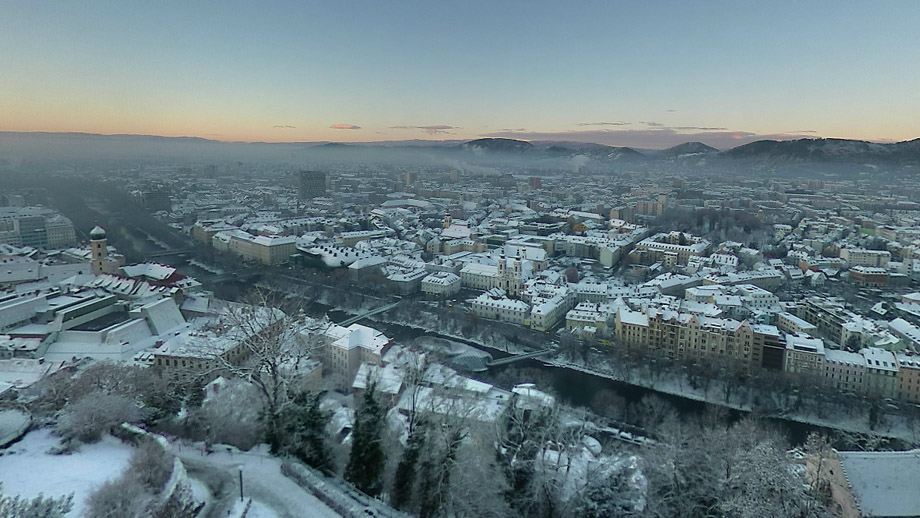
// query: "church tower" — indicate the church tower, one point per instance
point(99, 249)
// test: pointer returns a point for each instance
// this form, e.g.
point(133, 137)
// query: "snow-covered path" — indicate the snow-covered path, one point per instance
point(270, 490)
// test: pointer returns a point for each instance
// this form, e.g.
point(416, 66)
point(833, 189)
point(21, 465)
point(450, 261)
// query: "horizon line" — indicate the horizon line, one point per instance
point(320, 142)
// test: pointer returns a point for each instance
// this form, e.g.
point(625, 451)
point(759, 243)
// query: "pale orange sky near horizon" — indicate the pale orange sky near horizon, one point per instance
point(723, 74)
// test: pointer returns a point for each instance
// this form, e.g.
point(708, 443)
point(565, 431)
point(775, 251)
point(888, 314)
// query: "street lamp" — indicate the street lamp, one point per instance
point(240, 468)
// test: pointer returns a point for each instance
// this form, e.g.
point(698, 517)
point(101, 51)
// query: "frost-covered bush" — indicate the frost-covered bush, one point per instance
point(151, 466)
point(120, 498)
point(138, 492)
point(231, 416)
point(38, 507)
point(93, 415)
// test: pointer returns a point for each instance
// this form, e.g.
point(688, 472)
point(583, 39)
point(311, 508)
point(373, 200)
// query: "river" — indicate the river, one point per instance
point(573, 387)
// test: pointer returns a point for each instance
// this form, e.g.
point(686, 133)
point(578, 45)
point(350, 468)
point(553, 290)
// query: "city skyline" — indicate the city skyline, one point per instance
point(640, 76)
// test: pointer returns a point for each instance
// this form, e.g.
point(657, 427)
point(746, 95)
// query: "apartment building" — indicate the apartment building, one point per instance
point(908, 377)
point(871, 276)
point(756, 297)
point(684, 336)
point(683, 245)
point(881, 372)
point(789, 323)
point(845, 370)
point(804, 355)
point(587, 314)
point(864, 257)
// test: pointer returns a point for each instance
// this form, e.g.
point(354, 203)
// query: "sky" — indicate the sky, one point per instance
point(646, 74)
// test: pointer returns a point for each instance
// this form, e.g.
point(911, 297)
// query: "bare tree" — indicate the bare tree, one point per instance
point(652, 413)
point(267, 342)
point(819, 449)
point(739, 471)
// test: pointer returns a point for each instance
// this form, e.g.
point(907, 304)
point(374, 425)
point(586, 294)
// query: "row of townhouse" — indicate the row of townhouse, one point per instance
point(686, 337)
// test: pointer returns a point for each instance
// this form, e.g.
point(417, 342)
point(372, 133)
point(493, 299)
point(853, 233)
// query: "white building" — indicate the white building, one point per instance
point(587, 314)
point(442, 284)
point(479, 276)
point(496, 306)
point(549, 304)
point(804, 355)
point(864, 257)
point(756, 297)
point(790, 323)
point(845, 370)
point(346, 348)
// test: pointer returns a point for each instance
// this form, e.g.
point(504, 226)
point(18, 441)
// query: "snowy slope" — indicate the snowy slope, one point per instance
point(27, 469)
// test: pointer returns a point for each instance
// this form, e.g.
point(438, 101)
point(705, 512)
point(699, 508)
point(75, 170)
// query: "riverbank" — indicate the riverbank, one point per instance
point(766, 394)
point(790, 407)
point(899, 428)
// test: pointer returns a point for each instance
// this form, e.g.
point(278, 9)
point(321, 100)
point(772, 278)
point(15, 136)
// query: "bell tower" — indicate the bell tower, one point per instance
point(99, 249)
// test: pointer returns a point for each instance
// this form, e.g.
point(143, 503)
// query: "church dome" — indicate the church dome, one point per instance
point(97, 233)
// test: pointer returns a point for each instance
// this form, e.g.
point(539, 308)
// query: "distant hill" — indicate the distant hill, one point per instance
point(498, 145)
point(546, 155)
point(826, 150)
point(687, 149)
point(596, 151)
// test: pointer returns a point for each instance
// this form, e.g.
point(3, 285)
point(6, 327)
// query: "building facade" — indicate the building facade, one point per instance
point(312, 184)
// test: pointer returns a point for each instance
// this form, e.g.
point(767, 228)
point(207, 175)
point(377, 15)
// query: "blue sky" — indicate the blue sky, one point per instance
point(649, 74)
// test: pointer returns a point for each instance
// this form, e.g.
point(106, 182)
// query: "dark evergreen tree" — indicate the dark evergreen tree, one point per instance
point(367, 459)
point(404, 480)
point(303, 432)
point(427, 489)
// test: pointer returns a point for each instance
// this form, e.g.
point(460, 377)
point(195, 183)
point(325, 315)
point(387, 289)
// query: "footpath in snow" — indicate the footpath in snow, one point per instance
point(272, 493)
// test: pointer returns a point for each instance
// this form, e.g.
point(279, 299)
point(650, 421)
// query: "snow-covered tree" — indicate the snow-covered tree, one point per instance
point(93, 415)
point(271, 349)
point(38, 507)
point(738, 471)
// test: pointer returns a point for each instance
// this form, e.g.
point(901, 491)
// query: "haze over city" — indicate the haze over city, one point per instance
point(649, 76)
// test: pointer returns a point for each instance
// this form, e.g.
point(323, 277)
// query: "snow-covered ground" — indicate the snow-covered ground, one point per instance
point(273, 494)
point(27, 468)
point(260, 510)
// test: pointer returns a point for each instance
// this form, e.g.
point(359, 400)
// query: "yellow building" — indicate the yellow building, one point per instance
point(682, 336)
point(269, 250)
point(909, 378)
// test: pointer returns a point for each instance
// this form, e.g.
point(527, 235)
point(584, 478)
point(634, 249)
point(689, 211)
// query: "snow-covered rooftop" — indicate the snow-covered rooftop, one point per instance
point(884, 483)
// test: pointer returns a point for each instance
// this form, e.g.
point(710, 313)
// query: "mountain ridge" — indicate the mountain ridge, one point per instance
point(762, 152)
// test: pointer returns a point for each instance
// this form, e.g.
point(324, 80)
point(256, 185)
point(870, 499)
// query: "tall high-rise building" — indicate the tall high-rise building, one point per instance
point(158, 199)
point(32, 231)
point(312, 184)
